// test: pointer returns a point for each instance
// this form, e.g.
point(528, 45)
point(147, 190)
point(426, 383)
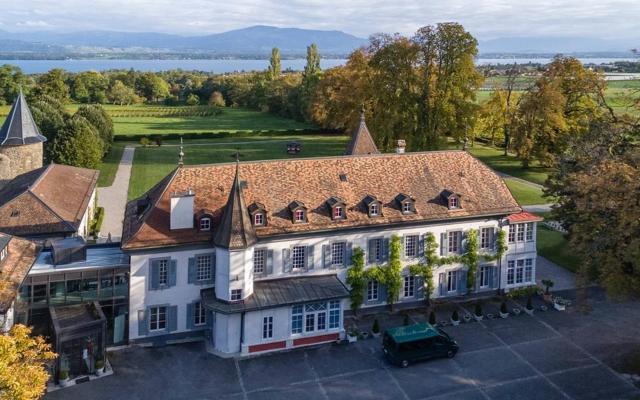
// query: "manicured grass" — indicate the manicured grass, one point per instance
point(151, 164)
point(109, 165)
point(509, 164)
point(554, 246)
point(229, 120)
point(525, 194)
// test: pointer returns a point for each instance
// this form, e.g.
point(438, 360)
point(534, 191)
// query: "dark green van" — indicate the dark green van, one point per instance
point(407, 344)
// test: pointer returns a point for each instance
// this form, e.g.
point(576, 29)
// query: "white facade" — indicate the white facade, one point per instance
point(234, 270)
point(83, 228)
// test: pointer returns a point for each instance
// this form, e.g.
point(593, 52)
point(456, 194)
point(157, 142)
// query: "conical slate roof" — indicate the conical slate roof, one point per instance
point(235, 230)
point(361, 142)
point(19, 128)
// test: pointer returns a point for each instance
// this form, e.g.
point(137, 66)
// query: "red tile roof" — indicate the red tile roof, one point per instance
point(277, 183)
point(15, 267)
point(361, 141)
point(524, 216)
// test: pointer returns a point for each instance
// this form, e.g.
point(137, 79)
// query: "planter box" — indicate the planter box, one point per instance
point(504, 315)
point(478, 317)
point(352, 339)
point(529, 312)
point(454, 322)
point(559, 307)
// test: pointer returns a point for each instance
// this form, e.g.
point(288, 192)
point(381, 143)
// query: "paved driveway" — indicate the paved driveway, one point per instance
point(552, 355)
point(114, 198)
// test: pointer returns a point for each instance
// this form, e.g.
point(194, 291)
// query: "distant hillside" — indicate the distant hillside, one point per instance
point(255, 40)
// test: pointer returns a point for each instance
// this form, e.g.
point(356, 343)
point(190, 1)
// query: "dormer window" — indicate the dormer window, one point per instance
point(337, 208)
point(258, 219)
point(205, 224)
point(258, 214)
point(406, 203)
point(373, 205)
point(452, 200)
point(298, 212)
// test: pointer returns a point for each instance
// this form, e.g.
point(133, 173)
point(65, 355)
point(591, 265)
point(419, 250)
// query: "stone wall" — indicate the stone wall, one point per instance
point(16, 160)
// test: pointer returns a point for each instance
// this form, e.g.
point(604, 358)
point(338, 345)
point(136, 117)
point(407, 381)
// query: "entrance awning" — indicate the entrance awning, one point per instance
point(280, 292)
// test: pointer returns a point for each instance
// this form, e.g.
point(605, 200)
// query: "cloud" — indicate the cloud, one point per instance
point(484, 18)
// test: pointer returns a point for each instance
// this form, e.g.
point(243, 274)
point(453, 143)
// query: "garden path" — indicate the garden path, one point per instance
point(114, 198)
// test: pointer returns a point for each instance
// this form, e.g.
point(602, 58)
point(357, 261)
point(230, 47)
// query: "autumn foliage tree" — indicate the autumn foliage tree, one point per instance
point(23, 375)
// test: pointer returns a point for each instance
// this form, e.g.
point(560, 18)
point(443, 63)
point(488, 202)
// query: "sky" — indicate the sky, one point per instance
point(486, 19)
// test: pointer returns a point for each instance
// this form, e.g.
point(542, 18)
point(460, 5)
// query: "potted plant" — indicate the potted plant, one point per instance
point(432, 318)
point(99, 366)
point(455, 318)
point(63, 377)
point(352, 335)
point(478, 312)
point(548, 284)
point(375, 329)
point(529, 308)
point(466, 317)
point(560, 304)
point(504, 312)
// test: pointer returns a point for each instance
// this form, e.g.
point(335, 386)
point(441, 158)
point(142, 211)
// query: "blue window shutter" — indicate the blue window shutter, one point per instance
point(269, 262)
point(310, 263)
point(143, 323)
point(385, 249)
point(326, 256)
point(478, 275)
point(382, 293)
point(462, 281)
point(443, 284)
point(348, 252)
point(192, 270)
point(421, 246)
point(370, 251)
point(212, 269)
point(154, 276)
point(173, 271)
point(190, 315)
point(444, 245)
point(286, 260)
point(172, 317)
point(419, 282)
point(494, 276)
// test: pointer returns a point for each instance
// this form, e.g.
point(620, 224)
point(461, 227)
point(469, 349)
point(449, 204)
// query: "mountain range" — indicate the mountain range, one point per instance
point(259, 40)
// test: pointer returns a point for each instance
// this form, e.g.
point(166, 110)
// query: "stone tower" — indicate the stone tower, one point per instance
point(20, 142)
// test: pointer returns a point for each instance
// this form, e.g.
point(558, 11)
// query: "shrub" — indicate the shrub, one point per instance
point(455, 316)
point(158, 140)
point(529, 304)
point(548, 284)
point(96, 223)
point(478, 310)
point(144, 141)
point(64, 374)
point(432, 318)
point(376, 326)
point(406, 320)
point(503, 307)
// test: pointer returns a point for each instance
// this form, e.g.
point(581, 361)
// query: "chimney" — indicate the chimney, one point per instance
point(400, 146)
point(182, 210)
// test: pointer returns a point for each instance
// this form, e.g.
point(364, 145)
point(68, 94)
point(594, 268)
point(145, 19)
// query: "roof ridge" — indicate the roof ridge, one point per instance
point(45, 171)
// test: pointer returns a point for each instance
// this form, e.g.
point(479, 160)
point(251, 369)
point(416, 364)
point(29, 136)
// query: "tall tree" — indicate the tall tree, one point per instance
point(11, 81)
point(121, 94)
point(77, 144)
point(100, 120)
point(310, 77)
point(275, 67)
point(23, 358)
point(603, 225)
point(53, 84)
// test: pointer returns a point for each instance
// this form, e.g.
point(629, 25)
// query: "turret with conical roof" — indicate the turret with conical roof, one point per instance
point(361, 140)
point(20, 142)
point(235, 230)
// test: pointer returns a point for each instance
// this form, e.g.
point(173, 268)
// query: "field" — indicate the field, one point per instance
point(151, 164)
point(509, 164)
point(526, 195)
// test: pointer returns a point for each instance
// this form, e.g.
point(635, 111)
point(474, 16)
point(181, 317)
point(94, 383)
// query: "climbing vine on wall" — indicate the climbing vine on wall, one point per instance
point(357, 279)
point(471, 258)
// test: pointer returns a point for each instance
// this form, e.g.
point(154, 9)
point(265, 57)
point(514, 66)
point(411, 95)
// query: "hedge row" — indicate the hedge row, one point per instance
point(216, 135)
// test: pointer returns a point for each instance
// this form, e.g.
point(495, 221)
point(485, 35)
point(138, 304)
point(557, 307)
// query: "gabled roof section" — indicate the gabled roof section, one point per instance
point(361, 142)
point(14, 268)
point(235, 230)
point(524, 216)
point(51, 199)
point(19, 128)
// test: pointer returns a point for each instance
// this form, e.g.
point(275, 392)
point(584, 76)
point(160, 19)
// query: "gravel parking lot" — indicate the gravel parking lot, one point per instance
point(552, 355)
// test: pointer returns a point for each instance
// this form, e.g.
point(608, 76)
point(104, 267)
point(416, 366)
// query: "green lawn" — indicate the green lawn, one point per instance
point(509, 164)
point(525, 194)
point(553, 246)
point(151, 164)
point(109, 165)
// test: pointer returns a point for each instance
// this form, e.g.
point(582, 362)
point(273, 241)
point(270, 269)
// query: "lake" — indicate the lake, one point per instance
point(221, 66)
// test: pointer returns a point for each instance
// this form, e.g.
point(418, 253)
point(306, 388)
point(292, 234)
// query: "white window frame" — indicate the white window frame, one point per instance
point(258, 219)
point(373, 289)
point(453, 202)
point(236, 295)
point(259, 260)
point(203, 267)
point(454, 242)
point(3, 253)
point(485, 238)
point(157, 318)
point(511, 272)
point(267, 327)
point(163, 272)
point(407, 207)
point(298, 257)
point(411, 242)
point(528, 270)
point(200, 314)
point(408, 286)
point(485, 270)
point(338, 212)
point(377, 249)
point(205, 224)
point(512, 233)
point(316, 317)
point(529, 237)
point(338, 250)
point(519, 271)
point(374, 210)
point(452, 281)
point(298, 215)
point(520, 234)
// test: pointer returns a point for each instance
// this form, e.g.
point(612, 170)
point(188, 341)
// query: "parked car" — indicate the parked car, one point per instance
point(407, 344)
